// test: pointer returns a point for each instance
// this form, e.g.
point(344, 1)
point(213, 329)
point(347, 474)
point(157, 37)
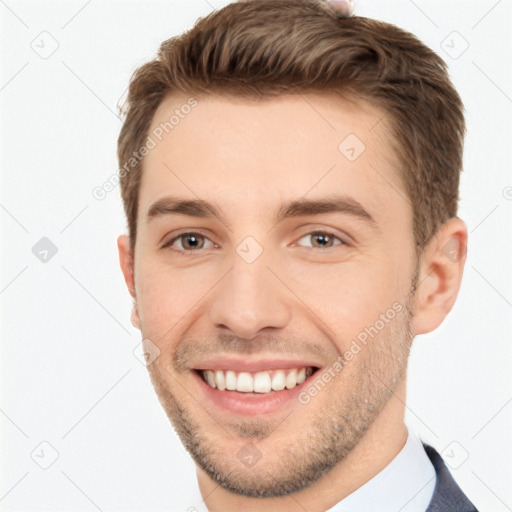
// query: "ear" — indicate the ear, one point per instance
point(440, 275)
point(126, 260)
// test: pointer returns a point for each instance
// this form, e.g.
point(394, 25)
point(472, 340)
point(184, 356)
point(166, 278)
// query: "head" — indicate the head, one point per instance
point(290, 181)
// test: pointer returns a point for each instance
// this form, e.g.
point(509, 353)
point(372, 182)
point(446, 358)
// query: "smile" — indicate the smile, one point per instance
point(252, 389)
point(257, 382)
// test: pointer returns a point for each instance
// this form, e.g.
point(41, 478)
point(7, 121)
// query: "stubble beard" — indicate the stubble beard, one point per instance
point(351, 403)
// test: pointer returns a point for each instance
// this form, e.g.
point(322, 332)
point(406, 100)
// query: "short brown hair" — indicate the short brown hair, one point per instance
point(263, 48)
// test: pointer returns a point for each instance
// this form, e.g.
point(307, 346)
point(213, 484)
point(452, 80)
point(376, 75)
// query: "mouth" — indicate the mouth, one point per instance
point(253, 392)
point(256, 382)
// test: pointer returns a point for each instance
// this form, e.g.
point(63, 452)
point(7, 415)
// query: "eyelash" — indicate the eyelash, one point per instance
point(184, 252)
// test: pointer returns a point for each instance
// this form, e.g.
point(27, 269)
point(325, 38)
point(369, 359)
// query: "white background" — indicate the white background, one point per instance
point(68, 373)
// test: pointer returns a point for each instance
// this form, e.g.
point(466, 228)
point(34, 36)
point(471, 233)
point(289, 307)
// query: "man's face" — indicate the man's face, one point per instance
point(272, 287)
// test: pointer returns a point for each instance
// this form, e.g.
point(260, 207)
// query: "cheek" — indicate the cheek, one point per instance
point(165, 294)
point(342, 299)
point(348, 297)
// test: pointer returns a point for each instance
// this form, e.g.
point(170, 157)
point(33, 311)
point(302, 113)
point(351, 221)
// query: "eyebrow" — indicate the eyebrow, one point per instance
point(347, 205)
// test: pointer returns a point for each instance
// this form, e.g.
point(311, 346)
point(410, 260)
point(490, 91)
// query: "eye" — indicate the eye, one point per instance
point(189, 242)
point(322, 240)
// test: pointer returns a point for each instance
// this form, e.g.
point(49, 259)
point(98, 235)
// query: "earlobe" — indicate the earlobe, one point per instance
point(126, 262)
point(134, 317)
point(440, 275)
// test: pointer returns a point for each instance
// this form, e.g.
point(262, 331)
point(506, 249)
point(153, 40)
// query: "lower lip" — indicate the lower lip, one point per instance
point(250, 404)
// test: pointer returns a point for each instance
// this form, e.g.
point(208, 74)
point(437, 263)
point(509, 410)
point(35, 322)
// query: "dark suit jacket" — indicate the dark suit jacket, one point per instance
point(447, 496)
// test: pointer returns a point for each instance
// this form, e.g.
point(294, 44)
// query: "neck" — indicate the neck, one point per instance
point(378, 447)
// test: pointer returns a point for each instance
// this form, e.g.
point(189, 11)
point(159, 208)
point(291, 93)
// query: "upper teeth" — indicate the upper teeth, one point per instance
point(259, 382)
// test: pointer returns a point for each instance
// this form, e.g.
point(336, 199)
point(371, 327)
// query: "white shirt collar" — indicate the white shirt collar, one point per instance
point(406, 484)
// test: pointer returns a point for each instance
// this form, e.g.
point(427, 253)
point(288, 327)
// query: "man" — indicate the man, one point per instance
point(290, 180)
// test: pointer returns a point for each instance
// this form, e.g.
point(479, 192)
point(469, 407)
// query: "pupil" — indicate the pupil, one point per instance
point(194, 242)
point(324, 240)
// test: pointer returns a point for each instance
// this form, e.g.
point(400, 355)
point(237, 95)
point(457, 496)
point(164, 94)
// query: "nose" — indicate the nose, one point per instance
point(249, 299)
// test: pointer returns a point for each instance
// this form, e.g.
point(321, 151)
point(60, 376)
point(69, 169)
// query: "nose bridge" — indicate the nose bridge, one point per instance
point(250, 298)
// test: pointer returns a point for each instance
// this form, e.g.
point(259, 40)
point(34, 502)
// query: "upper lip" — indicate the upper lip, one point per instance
point(239, 365)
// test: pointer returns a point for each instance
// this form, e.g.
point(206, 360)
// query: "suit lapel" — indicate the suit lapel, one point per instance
point(447, 497)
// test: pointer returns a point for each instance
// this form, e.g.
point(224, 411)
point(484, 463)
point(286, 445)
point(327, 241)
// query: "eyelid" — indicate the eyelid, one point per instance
point(176, 236)
point(342, 236)
point(342, 241)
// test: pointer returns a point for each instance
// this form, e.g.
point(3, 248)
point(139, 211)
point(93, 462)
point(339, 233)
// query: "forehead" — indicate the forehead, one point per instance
point(226, 148)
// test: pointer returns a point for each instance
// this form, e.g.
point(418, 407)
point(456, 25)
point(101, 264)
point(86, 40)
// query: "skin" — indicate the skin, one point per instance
point(296, 299)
